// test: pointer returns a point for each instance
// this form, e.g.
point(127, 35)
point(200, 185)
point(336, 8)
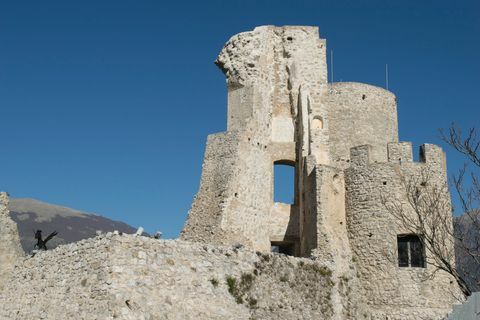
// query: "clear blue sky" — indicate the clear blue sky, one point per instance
point(105, 105)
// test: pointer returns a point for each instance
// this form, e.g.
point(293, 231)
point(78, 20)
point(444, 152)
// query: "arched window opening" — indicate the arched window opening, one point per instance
point(284, 182)
point(317, 123)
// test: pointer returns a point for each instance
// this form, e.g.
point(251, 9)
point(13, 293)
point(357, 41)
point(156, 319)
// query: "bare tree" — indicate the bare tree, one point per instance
point(467, 187)
point(426, 211)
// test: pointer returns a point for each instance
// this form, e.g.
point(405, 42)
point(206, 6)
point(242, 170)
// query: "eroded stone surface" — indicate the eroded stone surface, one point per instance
point(10, 249)
point(127, 277)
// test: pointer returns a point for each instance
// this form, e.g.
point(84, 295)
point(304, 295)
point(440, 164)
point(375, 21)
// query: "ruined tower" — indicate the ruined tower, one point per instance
point(281, 109)
point(342, 140)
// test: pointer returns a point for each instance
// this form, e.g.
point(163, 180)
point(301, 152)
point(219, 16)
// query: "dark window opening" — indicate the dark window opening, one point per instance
point(410, 251)
point(283, 183)
point(282, 247)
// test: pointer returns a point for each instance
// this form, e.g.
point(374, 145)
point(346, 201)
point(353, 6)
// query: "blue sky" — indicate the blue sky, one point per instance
point(105, 105)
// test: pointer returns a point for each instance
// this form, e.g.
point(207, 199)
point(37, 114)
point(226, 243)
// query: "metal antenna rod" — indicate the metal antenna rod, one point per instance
point(386, 75)
point(331, 64)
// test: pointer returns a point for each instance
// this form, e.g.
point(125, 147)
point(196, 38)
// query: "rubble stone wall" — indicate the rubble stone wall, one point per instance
point(127, 277)
point(393, 291)
point(360, 114)
point(265, 69)
point(10, 249)
point(69, 282)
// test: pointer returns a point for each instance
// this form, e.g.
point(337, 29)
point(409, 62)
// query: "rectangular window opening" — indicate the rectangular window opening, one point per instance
point(287, 248)
point(411, 252)
point(284, 182)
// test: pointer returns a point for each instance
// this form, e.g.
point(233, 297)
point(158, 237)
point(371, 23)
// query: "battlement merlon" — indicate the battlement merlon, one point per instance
point(401, 153)
point(434, 156)
point(360, 155)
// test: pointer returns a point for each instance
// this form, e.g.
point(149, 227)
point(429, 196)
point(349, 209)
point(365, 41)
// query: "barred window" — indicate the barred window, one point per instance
point(410, 251)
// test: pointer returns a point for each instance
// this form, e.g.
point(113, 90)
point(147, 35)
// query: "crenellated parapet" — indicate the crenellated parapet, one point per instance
point(400, 153)
point(374, 230)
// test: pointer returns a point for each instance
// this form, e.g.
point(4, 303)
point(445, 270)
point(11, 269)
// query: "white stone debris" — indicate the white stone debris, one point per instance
point(139, 232)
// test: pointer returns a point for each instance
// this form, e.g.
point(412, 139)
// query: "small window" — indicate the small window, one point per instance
point(317, 123)
point(282, 247)
point(410, 251)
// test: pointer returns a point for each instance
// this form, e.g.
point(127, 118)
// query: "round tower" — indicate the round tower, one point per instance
point(390, 257)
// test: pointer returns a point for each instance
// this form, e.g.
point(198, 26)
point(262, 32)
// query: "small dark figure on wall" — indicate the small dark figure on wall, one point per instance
point(42, 244)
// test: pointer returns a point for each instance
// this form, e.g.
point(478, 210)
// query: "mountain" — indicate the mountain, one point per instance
point(467, 227)
point(71, 225)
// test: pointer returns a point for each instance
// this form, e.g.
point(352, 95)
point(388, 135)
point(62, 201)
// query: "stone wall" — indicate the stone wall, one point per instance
point(359, 114)
point(235, 191)
point(217, 173)
point(10, 249)
point(69, 282)
point(127, 277)
point(390, 290)
point(265, 70)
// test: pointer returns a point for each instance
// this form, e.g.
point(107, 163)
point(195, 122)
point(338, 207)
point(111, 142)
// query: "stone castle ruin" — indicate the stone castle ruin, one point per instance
point(342, 140)
point(344, 256)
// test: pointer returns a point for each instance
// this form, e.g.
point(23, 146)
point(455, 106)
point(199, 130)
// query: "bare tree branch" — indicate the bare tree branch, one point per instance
point(426, 212)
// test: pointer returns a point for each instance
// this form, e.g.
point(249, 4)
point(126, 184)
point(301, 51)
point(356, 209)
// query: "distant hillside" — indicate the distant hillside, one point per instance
point(71, 225)
point(468, 267)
